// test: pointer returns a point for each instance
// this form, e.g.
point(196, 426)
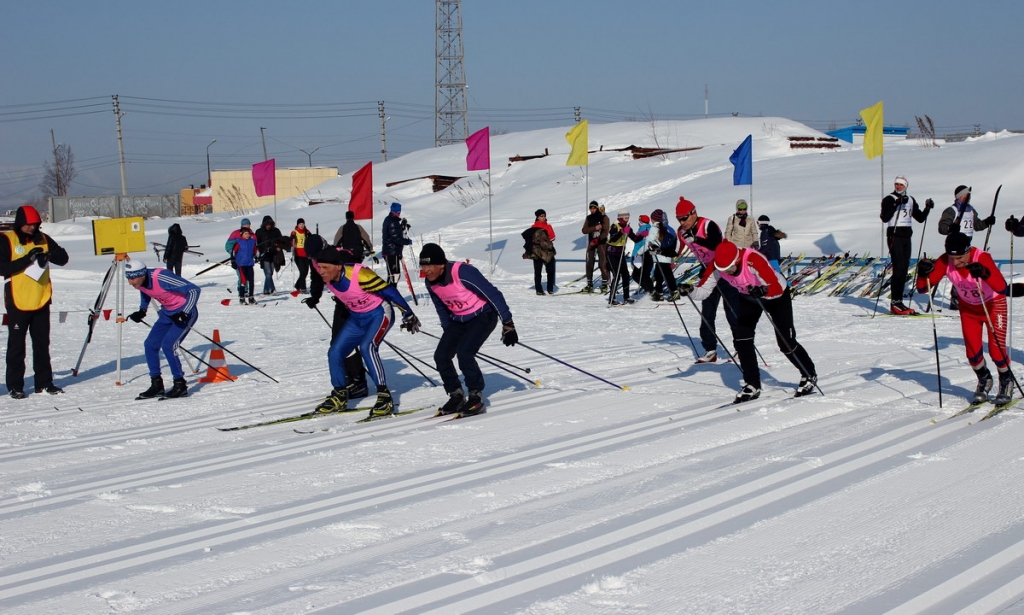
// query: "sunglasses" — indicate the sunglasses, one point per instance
point(686, 217)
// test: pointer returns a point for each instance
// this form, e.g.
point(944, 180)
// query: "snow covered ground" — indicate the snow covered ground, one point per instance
point(568, 497)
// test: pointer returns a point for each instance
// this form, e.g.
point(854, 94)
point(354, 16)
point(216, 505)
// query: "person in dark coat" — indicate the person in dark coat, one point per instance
point(769, 242)
point(268, 243)
point(175, 249)
point(539, 246)
point(25, 256)
point(393, 241)
point(354, 238)
point(899, 210)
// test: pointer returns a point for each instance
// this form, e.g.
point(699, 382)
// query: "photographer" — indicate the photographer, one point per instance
point(394, 238)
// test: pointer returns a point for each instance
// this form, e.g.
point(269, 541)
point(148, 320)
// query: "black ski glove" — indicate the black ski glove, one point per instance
point(928, 205)
point(181, 318)
point(685, 290)
point(925, 267)
point(234, 265)
point(410, 323)
point(311, 302)
point(756, 292)
point(990, 220)
point(137, 316)
point(1012, 224)
point(509, 337)
point(33, 254)
point(978, 271)
point(42, 258)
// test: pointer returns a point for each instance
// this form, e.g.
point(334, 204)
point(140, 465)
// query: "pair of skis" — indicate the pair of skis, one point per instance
point(313, 415)
point(991, 413)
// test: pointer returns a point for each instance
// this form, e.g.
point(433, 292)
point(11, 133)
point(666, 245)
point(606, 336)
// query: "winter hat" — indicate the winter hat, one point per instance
point(741, 205)
point(684, 207)
point(763, 218)
point(957, 244)
point(901, 179)
point(657, 215)
point(432, 254)
point(961, 190)
point(300, 221)
point(594, 204)
point(26, 214)
point(645, 219)
point(396, 208)
point(135, 269)
point(622, 213)
point(726, 255)
point(350, 215)
point(539, 213)
point(335, 256)
point(245, 222)
point(314, 244)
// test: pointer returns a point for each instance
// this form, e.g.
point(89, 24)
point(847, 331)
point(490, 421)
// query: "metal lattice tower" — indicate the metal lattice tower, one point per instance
point(451, 124)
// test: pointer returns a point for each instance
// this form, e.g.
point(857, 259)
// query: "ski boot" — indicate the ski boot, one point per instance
point(455, 400)
point(806, 386)
point(357, 390)
point(675, 296)
point(385, 405)
point(17, 394)
point(897, 308)
point(657, 296)
point(156, 388)
point(747, 393)
point(51, 389)
point(474, 405)
point(252, 300)
point(984, 386)
point(335, 402)
point(709, 357)
point(178, 389)
point(589, 288)
point(1005, 392)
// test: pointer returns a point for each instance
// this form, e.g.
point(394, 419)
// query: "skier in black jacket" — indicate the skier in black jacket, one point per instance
point(899, 210)
point(175, 249)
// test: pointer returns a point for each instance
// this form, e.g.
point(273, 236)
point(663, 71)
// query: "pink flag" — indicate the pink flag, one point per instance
point(361, 204)
point(479, 144)
point(263, 178)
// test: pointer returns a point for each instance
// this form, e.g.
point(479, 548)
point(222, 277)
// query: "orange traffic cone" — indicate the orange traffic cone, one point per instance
point(218, 370)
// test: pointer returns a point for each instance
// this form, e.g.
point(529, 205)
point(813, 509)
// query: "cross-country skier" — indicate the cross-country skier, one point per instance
point(761, 289)
point(469, 308)
point(179, 310)
point(899, 210)
point(961, 217)
point(982, 291)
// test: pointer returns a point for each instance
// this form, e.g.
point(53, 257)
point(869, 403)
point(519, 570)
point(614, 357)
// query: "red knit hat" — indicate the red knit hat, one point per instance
point(726, 255)
point(645, 219)
point(684, 207)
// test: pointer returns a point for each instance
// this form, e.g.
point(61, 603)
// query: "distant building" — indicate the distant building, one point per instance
point(855, 134)
point(234, 191)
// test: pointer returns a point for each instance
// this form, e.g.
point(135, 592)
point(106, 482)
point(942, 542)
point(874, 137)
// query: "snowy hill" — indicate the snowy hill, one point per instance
point(571, 496)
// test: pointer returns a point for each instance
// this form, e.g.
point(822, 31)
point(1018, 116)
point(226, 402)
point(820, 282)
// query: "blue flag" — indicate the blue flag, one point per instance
point(742, 159)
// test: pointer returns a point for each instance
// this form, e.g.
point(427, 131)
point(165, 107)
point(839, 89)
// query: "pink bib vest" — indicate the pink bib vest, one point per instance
point(704, 255)
point(747, 276)
point(966, 286)
point(457, 298)
point(355, 298)
point(169, 300)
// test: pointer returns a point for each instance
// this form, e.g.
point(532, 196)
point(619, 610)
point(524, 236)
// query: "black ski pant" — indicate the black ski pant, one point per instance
point(355, 371)
point(780, 310)
point(709, 311)
point(394, 264)
point(619, 270)
point(549, 268)
point(663, 275)
point(899, 252)
point(599, 254)
point(35, 325)
point(463, 340)
point(302, 262)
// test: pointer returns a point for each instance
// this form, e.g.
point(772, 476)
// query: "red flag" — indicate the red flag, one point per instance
point(479, 144)
point(361, 204)
point(263, 178)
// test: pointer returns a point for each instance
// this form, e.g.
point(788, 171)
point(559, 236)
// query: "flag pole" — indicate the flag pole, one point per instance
point(490, 221)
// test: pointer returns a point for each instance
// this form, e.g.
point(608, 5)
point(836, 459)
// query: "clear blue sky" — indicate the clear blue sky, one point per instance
point(311, 73)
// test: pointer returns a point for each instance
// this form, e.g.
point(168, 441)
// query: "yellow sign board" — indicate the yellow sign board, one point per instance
point(119, 236)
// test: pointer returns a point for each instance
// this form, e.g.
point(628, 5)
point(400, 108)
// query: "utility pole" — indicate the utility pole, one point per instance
point(120, 150)
point(576, 114)
point(705, 100)
point(451, 122)
point(56, 167)
point(383, 133)
point(310, 154)
point(264, 139)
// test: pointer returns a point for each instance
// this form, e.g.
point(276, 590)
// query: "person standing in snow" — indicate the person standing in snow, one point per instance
point(642, 275)
point(739, 230)
point(245, 259)
point(961, 217)
point(899, 210)
point(662, 245)
point(539, 246)
point(617, 236)
point(394, 238)
point(595, 227)
point(25, 257)
point(354, 238)
point(355, 372)
point(469, 308)
point(175, 249)
point(769, 242)
point(761, 289)
point(179, 310)
point(229, 247)
point(702, 236)
point(269, 242)
point(371, 303)
point(982, 291)
point(299, 254)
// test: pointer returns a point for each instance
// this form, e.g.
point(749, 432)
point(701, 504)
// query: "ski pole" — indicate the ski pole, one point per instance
point(696, 355)
point(196, 357)
point(221, 346)
point(881, 287)
point(728, 306)
point(714, 332)
point(213, 266)
point(544, 354)
point(792, 351)
point(405, 358)
point(484, 356)
point(935, 338)
point(995, 334)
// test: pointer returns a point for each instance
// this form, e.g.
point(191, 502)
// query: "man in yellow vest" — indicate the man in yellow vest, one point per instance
point(25, 257)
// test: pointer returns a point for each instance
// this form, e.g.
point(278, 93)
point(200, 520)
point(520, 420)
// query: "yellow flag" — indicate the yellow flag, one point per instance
point(872, 130)
point(577, 138)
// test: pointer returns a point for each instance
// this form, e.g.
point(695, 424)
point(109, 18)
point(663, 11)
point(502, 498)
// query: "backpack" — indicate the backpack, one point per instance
point(667, 246)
